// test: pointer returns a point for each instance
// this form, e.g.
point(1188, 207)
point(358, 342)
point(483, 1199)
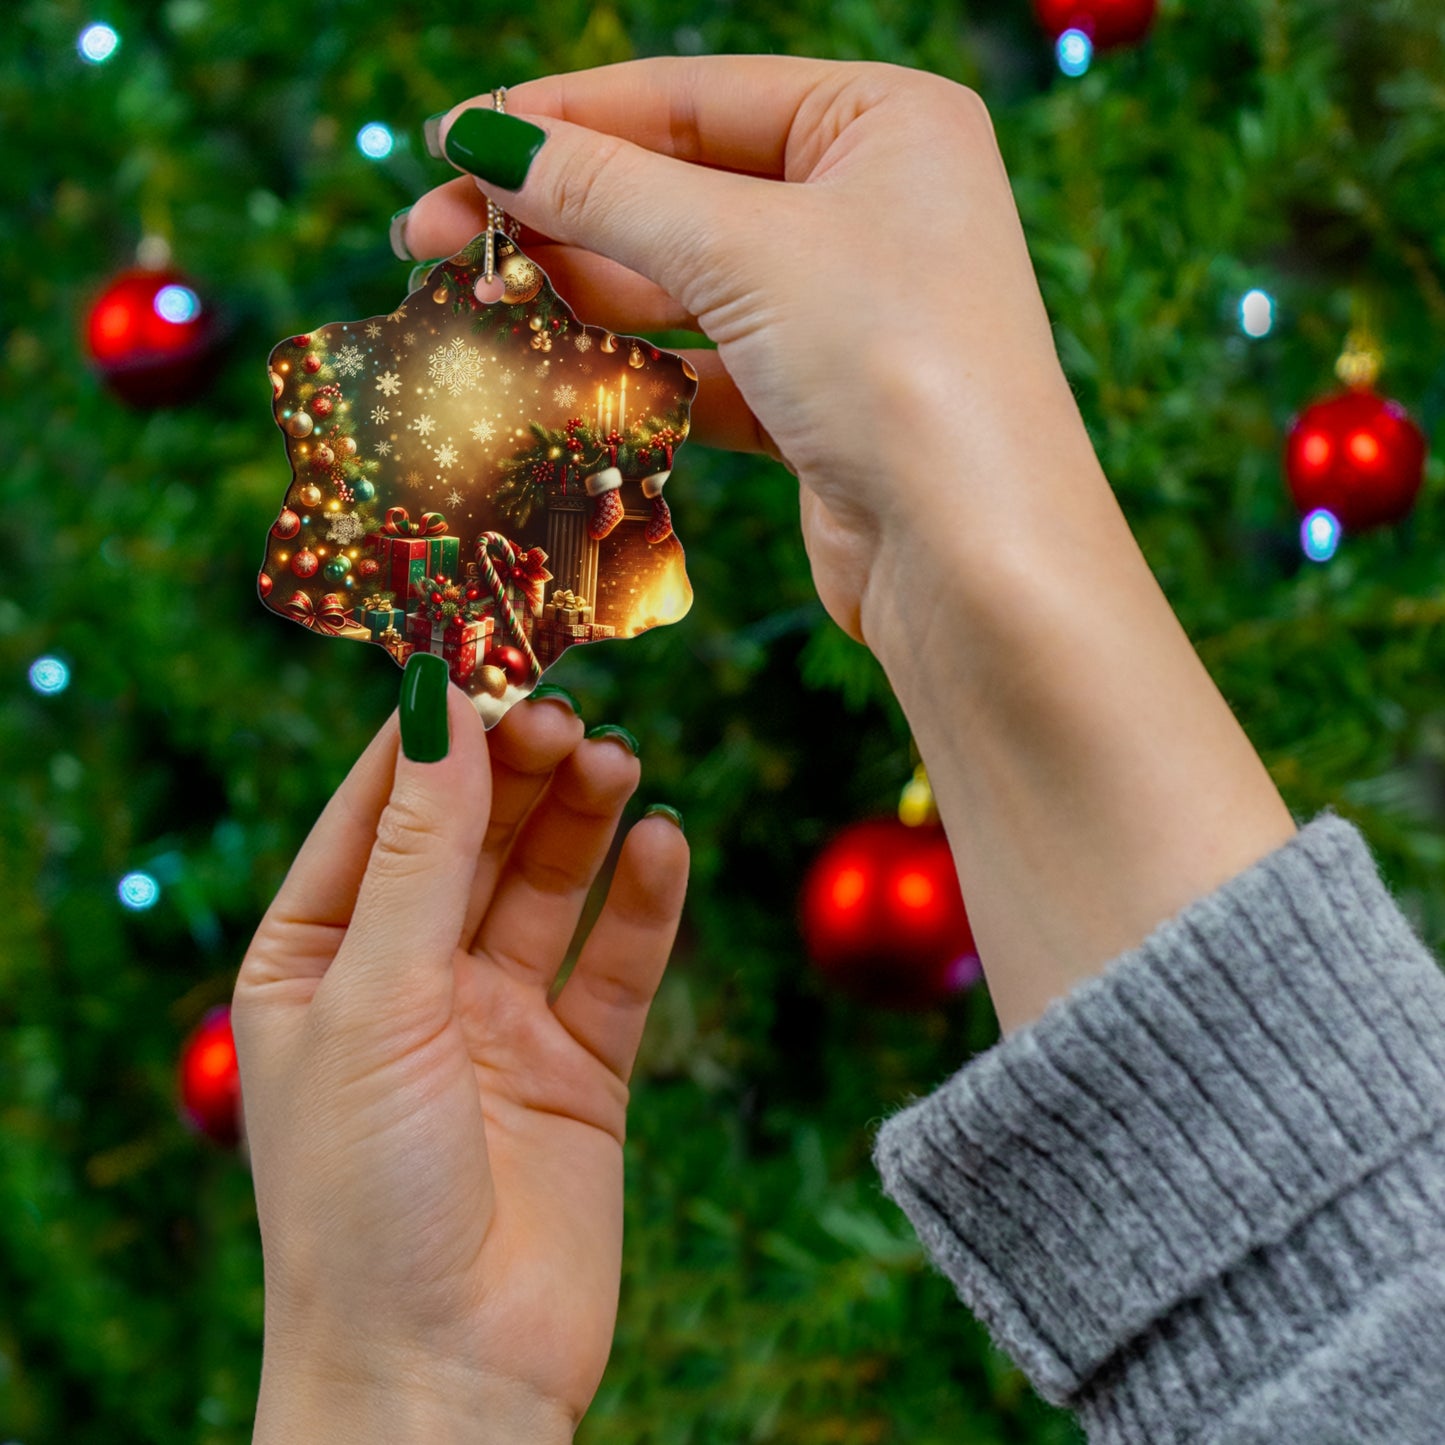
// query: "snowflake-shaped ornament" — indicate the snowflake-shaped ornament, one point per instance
point(453, 493)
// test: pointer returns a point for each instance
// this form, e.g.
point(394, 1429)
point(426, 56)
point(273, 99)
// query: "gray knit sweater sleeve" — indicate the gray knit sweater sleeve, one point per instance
point(1202, 1199)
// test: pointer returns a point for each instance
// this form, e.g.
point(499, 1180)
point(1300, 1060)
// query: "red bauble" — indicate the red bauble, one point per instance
point(312, 363)
point(1358, 455)
point(883, 917)
point(368, 567)
point(1107, 23)
point(286, 525)
point(322, 406)
point(305, 563)
point(210, 1081)
point(322, 458)
point(152, 338)
point(264, 584)
point(512, 661)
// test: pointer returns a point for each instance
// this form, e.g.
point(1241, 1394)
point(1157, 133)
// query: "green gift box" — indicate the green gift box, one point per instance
point(377, 620)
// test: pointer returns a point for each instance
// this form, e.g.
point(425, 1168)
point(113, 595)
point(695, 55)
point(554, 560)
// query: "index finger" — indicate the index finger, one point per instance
point(732, 112)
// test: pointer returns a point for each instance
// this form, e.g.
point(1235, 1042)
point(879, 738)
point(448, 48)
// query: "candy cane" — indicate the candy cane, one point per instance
point(488, 544)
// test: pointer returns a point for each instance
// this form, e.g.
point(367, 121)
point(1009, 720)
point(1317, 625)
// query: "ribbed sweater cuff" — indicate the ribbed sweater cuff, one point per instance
point(1168, 1145)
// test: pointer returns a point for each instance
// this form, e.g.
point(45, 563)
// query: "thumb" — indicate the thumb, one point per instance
point(395, 962)
point(666, 219)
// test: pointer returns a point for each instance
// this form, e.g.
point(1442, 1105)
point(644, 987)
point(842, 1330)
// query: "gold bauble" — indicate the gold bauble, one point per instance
point(439, 295)
point(536, 323)
point(609, 343)
point(521, 279)
point(635, 357)
point(346, 446)
point(309, 495)
point(689, 370)
point(299, 424)
point(492, 679)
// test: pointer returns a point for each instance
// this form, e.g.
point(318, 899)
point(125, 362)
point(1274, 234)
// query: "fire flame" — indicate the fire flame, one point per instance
point(665, 599)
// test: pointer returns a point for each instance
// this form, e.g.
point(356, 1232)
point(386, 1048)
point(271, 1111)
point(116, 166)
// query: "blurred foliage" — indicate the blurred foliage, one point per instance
point(770, 1293)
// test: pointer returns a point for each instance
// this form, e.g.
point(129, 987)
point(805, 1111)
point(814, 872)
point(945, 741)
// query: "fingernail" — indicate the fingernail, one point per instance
point(431, 133)
point(498, 148)
point(425, 736)
point(612, 730)
point(550, 689)
point(662, 810)
point(398, 235)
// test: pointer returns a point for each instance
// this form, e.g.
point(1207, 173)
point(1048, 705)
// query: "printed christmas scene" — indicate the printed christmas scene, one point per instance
point(484, 481)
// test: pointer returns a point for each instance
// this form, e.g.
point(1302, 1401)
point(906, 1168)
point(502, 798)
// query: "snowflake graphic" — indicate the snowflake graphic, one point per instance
point(347, 528)
point(455, 367)
point(399, 313)
point(388, 383)
point(372, 330)
point(423, 425)
point(380, 415)
point(588, 368)
point(409, 339)
point(508, 376)
point(447, 456)
point(455, 498)
point(383, 449)
point(412, 478)
point(564, 395)
point(349, 361)
point(484, 431)
point(657, 388)
point(542, 368)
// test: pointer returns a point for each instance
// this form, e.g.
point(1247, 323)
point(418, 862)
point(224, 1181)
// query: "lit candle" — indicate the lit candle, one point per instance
point(599, 406)
point(622, 409)
point(609, 413)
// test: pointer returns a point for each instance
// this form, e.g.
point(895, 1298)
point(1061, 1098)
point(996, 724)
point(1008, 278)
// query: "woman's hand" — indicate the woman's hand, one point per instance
point(877, 320)
point(437, 1150)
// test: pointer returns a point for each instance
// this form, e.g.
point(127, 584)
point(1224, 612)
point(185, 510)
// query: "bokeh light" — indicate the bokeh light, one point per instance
point(375, 140)
point(97, 43)
point(1075, 52)
point(1256, 313)
point(49, 675)
point(138, 891)
point(1320, 535)
point(177, 304)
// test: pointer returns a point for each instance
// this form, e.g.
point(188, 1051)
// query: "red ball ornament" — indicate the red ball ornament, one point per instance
point(1107, 23)
point(322, 458)
point(883, 917)
point(263, 584)
point(368, 567)
point(512, 661)
point(301, 342)
point(210, 1080)
point(152, 338)
point(311, 363)
point(1358, 455)
point(286, 525)
point(322, 406)
point(305, 562)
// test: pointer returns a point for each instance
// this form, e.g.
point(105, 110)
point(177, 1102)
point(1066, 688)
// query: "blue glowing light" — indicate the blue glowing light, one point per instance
point(1319, 535)
point(177, 304)
point(1075, 52)
point(97, 43)
point(375, 140)
point(138, 891)
point(1256, 313)
point(49, 675)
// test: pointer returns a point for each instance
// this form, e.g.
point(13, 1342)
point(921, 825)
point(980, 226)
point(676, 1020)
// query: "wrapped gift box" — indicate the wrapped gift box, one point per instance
point(463, 646)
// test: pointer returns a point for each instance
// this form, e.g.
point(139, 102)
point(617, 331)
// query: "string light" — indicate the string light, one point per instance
point(1256, 313)
point(1320, 535)
point(97, 43)
point(49, 675)
point(375, 141)
point(1075, 52)
point(138, 891)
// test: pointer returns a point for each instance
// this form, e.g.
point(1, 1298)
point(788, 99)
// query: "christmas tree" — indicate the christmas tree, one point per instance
point(1212, 209)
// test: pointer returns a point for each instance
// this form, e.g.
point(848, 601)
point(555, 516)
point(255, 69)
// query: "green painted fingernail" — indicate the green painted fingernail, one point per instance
point(550, 689)
point(662, 810)
point(431, 133)
point(425, 736)
point(612, 730)
point(498, 148)
point(397, 234)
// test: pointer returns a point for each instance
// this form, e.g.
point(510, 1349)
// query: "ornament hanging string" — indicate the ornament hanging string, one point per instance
point(497, 218)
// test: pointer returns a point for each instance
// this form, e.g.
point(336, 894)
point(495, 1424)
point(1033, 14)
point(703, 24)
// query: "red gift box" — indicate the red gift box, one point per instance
point(410, 552)
point(464, 644)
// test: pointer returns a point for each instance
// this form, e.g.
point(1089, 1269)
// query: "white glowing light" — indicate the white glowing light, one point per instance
point(97, 43)
point(1075, 52)
point(177, 304)
point(1320, 535)
point(138, 891)
point(49, 675)
point(1256, 313)
point(375, 140)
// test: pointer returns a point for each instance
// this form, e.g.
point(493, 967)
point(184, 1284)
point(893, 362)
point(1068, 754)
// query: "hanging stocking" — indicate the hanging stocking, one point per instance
point(607, 505)
point(659, 529)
